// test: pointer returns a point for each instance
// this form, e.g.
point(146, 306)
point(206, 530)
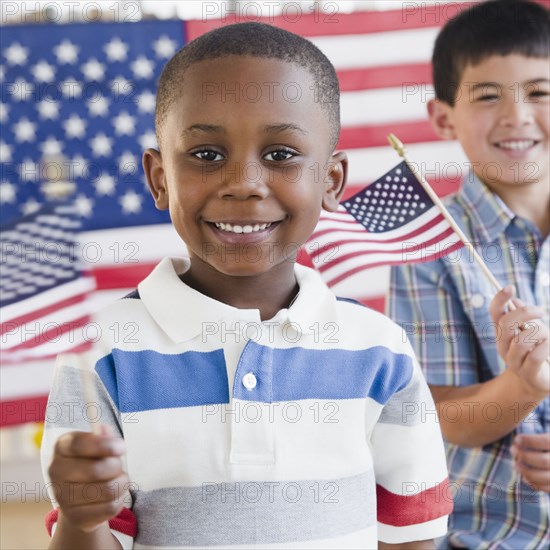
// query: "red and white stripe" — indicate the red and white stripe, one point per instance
point(341, 247)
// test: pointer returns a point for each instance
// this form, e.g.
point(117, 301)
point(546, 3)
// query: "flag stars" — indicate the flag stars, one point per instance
point(101, 145)
point(16, 54)
point(75, 127)
point(105, 185)
point(30, 206)
point(121, 86)
point(93, 70)
point(84, 205)
point(48, 109)
point(78, 167)
point(66, 53)
point(98, 106)
point(51, 147)
point(21, 90)
point(142, 67)
point(5, 152)
point(124, 124)
point(164, 47)
point(127, 163)
point(7, 192)
point(131, 202)
point(148, 140)
point(116, 50)
point(24, 130)
point(43, 71)
point(71, 88)
point(146, 102)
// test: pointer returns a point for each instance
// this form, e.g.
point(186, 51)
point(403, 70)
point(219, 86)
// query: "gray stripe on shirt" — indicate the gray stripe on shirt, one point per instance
point(68, 407)
point(237, 513)
point(409, 406)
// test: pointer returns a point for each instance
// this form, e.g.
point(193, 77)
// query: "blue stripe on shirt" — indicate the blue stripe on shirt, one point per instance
point(147, 380)
point(134, 378)
point(300, 373)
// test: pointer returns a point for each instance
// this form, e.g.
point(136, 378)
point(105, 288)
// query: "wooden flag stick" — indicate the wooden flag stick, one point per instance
point(58, 190)
point(400, 148)
point(90, 396)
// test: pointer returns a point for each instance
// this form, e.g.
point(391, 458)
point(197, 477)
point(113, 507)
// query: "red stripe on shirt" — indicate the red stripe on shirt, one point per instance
point(402, 510)
point(125, 522)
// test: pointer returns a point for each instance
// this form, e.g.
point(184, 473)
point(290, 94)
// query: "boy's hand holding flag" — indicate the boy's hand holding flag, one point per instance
point(397, 219)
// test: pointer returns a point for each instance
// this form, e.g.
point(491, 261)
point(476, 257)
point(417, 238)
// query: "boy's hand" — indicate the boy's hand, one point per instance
point(87, 475)
point(532, 459)
point(523, 349)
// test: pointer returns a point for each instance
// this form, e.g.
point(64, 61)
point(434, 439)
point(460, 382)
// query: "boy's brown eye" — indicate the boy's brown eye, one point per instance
point(535, 94)
point(279, 155)
point(208, 155)
point(488, 97)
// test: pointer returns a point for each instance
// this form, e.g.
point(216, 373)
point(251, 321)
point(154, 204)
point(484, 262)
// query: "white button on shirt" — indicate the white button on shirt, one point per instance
point(477, 300)
point(249, 381)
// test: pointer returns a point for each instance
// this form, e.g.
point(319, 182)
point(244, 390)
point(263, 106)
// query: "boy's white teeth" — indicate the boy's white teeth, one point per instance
point(516, 145)
point(242, 228)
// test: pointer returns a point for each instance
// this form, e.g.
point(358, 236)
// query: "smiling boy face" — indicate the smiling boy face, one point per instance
point(246, 164)
point(501, 118)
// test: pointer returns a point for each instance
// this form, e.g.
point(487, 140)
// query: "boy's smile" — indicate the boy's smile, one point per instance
point(245, 168)
point(501, 118)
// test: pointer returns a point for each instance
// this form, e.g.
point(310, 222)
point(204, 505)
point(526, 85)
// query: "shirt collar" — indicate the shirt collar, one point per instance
point(489, 214)
point(183, 312)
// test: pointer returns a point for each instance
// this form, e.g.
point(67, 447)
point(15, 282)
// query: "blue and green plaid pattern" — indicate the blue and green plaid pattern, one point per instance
point(443, 307)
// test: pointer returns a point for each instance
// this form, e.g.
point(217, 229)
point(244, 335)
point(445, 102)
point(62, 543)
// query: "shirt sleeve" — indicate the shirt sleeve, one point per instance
point(413, 500)
point(69, 409)
point(424, 300)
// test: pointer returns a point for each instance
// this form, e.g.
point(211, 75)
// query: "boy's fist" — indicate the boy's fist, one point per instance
point(88, 476)
point(531, 454)
point(522, 341)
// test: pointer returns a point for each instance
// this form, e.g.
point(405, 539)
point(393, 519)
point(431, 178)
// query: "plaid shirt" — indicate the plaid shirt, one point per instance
point(444, 308)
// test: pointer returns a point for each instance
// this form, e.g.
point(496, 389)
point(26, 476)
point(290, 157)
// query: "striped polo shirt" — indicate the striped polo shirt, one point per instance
point(314, 429)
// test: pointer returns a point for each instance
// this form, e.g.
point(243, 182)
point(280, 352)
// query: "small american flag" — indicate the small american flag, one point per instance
point(389, 222)
point(43, 300)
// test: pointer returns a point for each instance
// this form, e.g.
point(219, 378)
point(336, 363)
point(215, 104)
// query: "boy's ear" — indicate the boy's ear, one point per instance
point(335, 181)
point(154, 172)
point(441, 117)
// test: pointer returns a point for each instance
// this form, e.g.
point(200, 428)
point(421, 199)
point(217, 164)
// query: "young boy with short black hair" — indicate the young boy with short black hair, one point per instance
point(256, 409)
point(486, 367)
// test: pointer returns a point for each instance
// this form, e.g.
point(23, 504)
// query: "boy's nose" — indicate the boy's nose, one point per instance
point(517, 112)
point(243, 180)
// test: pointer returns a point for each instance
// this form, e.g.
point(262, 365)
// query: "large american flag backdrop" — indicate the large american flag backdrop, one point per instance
point(81, 96)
